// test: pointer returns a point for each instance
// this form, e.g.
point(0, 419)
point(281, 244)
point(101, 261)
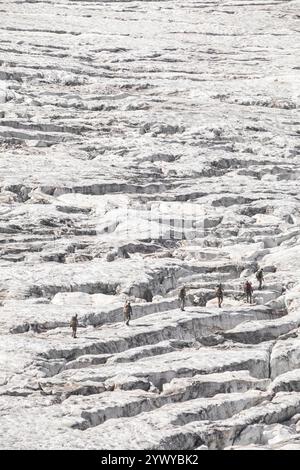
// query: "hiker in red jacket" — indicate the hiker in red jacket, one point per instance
point(248, 289)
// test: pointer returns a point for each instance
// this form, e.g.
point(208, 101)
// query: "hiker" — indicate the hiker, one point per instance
point(182, 297)
point(248, 291)
point(74, 325)
point(220, 294)
point(260, 277)
point(127, 311)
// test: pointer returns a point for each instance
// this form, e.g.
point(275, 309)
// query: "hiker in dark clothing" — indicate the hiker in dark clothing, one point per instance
point(127, 311)
point(74, 325)
point(248, 291)
point(260, 277)
point(182, 297)
point(220, 294)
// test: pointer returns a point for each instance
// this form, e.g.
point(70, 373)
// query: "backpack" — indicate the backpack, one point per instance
point(248, 287)
point(182, 293)
point(127, 310)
